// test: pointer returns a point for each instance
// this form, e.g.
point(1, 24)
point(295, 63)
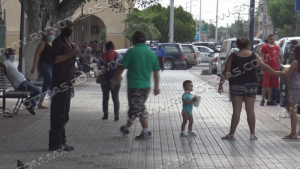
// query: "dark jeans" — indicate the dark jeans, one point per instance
point(46, 72)
point(34, 97)
point(161, 62)
point(115, 97)
point(275, 94)
point(59, 116)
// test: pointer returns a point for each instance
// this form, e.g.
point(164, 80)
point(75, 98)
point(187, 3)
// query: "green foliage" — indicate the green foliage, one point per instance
point(282, 13)
point(286, 31)
point(103, 34)
point(142, 21)
point(237, 29)
point(184, 24)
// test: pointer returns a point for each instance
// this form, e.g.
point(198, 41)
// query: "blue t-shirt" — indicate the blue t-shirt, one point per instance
point(187, 107)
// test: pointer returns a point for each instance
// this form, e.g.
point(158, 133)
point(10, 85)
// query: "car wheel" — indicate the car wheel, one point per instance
point(168, 64)
point(189, 67)
point(183, 65)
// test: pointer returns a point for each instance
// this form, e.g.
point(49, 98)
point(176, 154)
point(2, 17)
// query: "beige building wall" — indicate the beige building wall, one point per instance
point(101, 15)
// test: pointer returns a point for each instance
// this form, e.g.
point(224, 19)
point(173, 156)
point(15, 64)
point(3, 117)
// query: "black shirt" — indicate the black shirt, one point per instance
point(243, 69)
point(45, 56)
point(62, 72)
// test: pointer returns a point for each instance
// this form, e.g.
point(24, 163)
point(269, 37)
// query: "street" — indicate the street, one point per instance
point(98, 143)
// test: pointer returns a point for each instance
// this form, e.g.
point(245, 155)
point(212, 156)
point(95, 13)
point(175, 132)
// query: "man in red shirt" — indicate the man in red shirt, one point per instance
point(271, 56)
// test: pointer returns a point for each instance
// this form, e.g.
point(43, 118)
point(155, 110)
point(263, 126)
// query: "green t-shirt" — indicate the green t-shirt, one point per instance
point(140, 62)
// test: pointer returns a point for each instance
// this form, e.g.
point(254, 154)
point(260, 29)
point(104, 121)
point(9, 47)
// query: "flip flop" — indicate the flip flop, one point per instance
point(289, 137)
point(43, 107)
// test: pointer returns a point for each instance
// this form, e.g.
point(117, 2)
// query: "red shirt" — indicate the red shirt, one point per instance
point(271, 55)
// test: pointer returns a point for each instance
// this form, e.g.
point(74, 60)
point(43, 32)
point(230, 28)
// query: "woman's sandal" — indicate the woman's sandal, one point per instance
point(229, 137)
point(289, 137)
point(253, 137)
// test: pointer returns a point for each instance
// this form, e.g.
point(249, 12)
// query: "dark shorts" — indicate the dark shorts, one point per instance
point(136, 100)
point(245, 89)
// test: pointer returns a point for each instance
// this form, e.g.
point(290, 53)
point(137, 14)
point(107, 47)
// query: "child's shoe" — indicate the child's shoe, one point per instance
point(183, 134)
point(191, 133)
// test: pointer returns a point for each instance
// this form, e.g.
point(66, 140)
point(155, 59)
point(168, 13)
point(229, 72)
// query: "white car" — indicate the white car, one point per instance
point(205, 53)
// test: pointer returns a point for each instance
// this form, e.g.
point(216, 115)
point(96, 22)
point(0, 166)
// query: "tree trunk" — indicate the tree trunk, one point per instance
point(32, 9)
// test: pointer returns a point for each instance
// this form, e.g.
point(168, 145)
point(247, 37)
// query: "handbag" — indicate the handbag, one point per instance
point(102, 79)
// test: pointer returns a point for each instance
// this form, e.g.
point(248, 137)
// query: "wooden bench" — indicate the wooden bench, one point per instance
point(22, 96)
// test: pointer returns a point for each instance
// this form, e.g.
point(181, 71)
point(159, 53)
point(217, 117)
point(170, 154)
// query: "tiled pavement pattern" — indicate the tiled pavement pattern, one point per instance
point(98, 143)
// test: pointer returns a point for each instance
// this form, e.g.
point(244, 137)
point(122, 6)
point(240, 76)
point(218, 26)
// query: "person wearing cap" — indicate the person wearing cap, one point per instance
point(161, 53)
point(140, 62)
point(63, 56)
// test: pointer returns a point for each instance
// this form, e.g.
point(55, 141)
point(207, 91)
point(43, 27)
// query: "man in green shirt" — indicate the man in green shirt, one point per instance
point(140, 62)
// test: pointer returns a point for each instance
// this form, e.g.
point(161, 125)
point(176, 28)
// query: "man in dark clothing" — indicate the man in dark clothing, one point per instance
point(64, 56)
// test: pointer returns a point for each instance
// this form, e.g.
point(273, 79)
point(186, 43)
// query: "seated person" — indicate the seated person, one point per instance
point(18, 80)
point(82, 58)
point(90, 57)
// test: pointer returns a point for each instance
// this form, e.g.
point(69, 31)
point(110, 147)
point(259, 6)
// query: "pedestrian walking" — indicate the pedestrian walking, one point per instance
point(140, 62)
point(42, 60)
point(64, 56)
point(187, 108)
point(243, 82)
point(271, 56)
point(108, 58)
point(293, 75)
point(161, 53)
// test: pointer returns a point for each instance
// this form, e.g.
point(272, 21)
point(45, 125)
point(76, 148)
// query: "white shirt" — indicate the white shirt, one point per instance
point(13, 75)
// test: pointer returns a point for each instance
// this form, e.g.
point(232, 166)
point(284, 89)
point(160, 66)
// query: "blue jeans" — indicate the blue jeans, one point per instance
point(46, 72)
point(35, 95)
point(275, 93)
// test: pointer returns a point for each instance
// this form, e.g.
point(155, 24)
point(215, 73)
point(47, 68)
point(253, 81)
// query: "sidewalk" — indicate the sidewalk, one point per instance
point(98, 143)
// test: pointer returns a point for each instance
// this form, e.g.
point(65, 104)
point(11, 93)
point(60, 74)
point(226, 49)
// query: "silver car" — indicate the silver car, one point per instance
point(205, 53)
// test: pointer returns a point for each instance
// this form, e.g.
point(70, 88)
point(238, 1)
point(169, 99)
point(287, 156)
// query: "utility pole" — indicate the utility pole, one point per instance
point(171, 31)
point(43, 17)
point(21, 37)
point(200, 22)
point(251, 30)
point(296, 32)
point(216, 32)
point(81, 22)
point(264, 19)
point(191, 6)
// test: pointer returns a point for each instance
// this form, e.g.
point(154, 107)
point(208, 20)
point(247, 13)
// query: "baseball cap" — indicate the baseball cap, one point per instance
point(159, 44)
point(66, 22)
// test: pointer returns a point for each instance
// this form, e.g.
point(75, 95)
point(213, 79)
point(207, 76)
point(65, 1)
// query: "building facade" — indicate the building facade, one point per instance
point(264, 25)
point(97, 17)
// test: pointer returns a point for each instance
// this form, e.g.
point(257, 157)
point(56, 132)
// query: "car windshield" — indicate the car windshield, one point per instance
point(256, 42)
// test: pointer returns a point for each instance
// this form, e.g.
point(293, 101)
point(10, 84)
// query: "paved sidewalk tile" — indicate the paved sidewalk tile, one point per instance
point(98, 143)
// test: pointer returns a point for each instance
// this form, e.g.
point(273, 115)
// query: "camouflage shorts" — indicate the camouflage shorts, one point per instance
point(136, 100)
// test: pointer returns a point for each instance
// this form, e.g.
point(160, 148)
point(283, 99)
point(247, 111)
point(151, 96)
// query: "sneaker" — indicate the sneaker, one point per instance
point(262, 103)
point(123, 130)
point(191, 133)
point(144, 136)
point(183, 134)
point(253, 137)
point(31, 110)
point(271, 103)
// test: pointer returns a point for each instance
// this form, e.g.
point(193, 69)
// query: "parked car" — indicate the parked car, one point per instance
point(284, 43)
point(190, 55)
point(211, 45)
point(198, 55)
point(205, 53)
point(213, 63)
point(227, 45)
point(122, 51)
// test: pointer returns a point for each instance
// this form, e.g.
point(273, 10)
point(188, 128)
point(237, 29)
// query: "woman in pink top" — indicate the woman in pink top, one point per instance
point(294, 92)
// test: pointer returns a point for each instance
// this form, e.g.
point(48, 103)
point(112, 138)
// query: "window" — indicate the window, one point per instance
point(205, 50)
point(171, 49)
point(187, 49)
point(233, 44)
point(256, 42)
point(281, 43)
point(224, 46)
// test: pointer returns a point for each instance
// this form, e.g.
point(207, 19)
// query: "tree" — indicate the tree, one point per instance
point(103, 35)
point(212, 31)
point(58, 10)
point(184, 24)
point(287, 31)
point(237, 29)
point(282, 12)
point(141, 20)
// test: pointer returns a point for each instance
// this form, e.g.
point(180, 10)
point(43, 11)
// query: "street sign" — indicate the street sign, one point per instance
point(204, 28)
point(297, 5)
point(196, 37)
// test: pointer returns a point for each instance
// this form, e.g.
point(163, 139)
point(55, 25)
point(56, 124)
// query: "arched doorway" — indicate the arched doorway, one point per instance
point(87, 29)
